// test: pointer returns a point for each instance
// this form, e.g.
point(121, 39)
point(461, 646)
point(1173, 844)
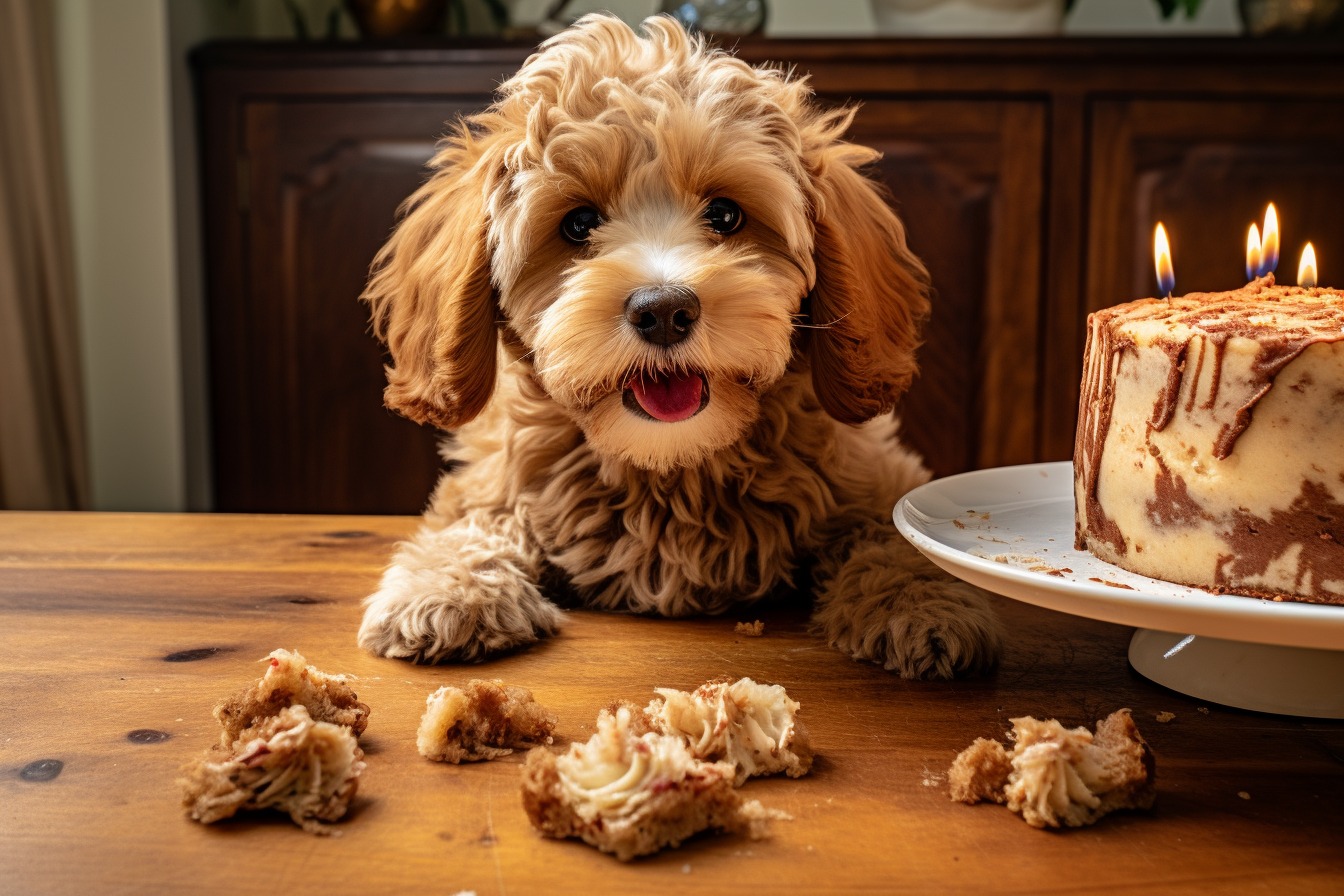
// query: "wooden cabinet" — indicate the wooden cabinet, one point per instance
point(1029, 175)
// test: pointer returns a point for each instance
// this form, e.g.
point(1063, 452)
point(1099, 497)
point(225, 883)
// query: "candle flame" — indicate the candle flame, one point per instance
point(1306, 268)
point(1166, 274)
point(1269, 255)
point(1253, 253)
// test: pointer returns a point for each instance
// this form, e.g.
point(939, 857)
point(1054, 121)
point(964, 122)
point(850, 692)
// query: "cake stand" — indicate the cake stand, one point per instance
point(1010, 530)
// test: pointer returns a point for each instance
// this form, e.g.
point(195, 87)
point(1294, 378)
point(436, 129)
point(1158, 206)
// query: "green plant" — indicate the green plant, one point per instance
point(1169, 7)
point(1166, 7)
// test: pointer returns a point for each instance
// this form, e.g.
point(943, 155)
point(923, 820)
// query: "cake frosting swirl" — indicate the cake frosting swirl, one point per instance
point(1210, 443)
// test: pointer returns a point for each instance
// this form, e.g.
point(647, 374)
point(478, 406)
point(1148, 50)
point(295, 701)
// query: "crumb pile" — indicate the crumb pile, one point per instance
point(288, 743)
point(484, 720)
point(1054, 776)
point(648, 779)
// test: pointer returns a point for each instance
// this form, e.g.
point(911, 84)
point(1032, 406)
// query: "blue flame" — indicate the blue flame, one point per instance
point(1166, 282)
point(1269, 260)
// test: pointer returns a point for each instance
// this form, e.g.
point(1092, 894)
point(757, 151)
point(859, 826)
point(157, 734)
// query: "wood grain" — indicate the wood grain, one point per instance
point(114, 624)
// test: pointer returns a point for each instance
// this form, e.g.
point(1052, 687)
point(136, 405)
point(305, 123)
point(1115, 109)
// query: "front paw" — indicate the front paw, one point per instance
point(455, 611)
point(923, 628)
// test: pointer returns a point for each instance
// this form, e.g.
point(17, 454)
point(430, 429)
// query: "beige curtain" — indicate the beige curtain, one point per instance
point(43, 463)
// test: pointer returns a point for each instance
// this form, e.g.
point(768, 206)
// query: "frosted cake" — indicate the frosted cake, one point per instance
point(1210, 443)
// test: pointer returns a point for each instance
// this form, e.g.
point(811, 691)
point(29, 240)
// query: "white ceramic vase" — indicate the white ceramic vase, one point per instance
point(967, 18)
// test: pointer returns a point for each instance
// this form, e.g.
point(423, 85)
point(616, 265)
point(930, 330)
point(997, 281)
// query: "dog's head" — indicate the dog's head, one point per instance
point(659, 231)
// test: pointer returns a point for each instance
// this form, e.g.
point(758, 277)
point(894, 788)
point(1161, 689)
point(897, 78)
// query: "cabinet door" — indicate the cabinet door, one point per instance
point(1206, 170)
point(967, 177)
point(299, 419)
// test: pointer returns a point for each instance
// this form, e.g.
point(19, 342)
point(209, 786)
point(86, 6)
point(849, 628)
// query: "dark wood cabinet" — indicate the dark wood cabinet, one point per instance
point(1029, 175)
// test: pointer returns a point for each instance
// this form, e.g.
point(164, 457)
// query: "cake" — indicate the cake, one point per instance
point(1056, 776)
point(288, 681)
point(484, 720)
point(631, 792)
point(1210, 443)
point(287, 762)
point(752, 726)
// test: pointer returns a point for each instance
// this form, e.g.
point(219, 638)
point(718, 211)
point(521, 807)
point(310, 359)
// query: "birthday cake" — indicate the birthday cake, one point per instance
point(1210, 443)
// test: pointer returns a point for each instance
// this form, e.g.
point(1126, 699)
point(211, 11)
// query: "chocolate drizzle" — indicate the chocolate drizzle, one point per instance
point(1101, 359)
point(1281, 320)
point(1165, 408)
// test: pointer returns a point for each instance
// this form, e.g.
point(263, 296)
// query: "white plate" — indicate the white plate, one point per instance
point(1010, 531)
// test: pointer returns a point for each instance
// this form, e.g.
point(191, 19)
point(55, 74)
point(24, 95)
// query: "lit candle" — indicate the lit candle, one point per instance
point(1306, 268)
point(1166, 273)
point(1269, 247)
point(1253, 253)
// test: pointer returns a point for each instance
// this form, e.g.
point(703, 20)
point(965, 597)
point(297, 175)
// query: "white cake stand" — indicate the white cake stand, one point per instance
point(1010, 530)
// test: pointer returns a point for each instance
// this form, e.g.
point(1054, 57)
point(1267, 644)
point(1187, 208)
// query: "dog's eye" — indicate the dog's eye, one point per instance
point(724, 216)
point(579, 224)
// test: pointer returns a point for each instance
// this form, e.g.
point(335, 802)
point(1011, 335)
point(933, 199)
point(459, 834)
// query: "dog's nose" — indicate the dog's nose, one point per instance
point(663, 315)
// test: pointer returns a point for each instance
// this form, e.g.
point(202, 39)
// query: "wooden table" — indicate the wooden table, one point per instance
point(119, 633)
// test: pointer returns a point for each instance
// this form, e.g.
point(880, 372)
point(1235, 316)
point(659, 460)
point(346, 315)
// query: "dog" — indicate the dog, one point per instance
point(666, 320)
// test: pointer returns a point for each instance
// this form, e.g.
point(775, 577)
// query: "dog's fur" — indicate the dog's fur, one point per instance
point(515, 339)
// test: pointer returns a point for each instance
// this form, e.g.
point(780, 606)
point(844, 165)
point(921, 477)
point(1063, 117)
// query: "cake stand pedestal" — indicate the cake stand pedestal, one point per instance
point(1294, 681)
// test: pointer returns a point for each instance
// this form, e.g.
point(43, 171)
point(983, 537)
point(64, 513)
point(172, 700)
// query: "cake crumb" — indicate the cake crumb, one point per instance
point(288, 762)
point(632, 794)
point(288, 681)
point(1057, 777)
point(750, 629)
point(1110, 584)
point(1165, 717)
point(931, 779)
point(754, 727)
point(484, 720)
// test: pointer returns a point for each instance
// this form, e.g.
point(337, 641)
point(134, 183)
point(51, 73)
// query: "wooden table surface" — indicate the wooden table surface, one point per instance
point(119, 633)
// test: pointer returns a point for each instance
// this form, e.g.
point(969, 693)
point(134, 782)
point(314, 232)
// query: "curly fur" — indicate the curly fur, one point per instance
point(515, 339)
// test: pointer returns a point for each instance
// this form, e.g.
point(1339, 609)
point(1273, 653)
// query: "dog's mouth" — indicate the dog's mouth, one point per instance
point(666, 395)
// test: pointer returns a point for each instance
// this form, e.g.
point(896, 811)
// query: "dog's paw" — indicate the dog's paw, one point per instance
point(462, 608)
point(915, 624)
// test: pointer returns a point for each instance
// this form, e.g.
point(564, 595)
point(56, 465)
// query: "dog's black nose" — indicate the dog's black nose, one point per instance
point(663, 315)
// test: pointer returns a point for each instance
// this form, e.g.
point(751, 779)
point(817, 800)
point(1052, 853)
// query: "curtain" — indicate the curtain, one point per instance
point(43, 462)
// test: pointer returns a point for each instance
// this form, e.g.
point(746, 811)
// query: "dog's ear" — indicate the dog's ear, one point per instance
point(431, 296)
point(871, 294)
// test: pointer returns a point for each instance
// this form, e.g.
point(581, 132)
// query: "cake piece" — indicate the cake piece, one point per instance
point(632, 794)
point(1210, 443)
point(980, 772)
point(289, 763)
point(484, 720)
point(289, 680)
point(1055, 776)
point(752, 726)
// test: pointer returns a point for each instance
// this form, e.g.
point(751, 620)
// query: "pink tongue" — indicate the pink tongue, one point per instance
point(668, 396)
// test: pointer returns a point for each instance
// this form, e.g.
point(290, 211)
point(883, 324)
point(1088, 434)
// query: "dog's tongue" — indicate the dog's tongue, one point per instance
point(668, 396)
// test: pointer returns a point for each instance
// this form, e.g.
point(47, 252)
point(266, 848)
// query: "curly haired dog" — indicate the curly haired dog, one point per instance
point(653, 299)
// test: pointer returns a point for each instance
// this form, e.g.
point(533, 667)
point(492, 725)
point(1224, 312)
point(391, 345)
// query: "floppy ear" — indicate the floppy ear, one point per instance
point(430, 293)
point(871, 294)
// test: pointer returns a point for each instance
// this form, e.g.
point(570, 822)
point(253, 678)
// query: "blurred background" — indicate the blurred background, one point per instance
point(105, 400)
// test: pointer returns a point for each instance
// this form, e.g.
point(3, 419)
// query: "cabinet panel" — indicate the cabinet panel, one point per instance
point(321, 185)
point(966, 178)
